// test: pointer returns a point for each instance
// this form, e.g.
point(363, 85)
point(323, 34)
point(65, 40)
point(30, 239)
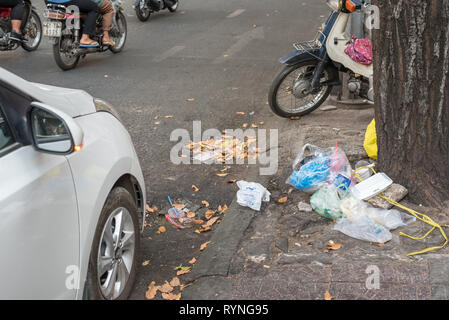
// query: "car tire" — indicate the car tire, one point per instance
point(119, 200)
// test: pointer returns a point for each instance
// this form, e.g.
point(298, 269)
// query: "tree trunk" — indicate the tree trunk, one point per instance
point(411, 72)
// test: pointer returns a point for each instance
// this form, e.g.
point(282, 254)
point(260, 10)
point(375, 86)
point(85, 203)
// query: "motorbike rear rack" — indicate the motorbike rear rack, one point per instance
point(312, 45)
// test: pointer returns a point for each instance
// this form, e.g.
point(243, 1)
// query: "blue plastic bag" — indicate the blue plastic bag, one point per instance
point(312, 174)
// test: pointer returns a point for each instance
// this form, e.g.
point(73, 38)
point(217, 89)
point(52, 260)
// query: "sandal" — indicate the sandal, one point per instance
point(91, 44)
point(109, 43)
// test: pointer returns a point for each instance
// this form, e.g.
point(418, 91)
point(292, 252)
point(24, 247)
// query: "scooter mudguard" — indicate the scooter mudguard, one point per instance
point(297, 56)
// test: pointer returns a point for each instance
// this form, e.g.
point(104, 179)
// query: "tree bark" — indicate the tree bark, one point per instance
point(411, 79)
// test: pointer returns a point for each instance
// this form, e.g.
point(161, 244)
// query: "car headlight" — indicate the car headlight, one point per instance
point(103, 106)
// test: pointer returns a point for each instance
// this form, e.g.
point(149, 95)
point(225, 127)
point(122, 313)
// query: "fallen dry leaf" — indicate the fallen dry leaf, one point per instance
point(333, 246)
point(191, 99)
point(222, 174)
point(295, 118)
point(166, 288)
point(152, 290)
point(150, 210)
point(156, 117)
point(145, 263)
point(195, 188)
point(380, 244)
point(266, 267)
point(212, 221)
point(204, 245)
point(175, 282)
point(261, 123)
point(254, 125)
point(171, 296)
point(223, 210)
point(198, 221)
point(283, 200)
point(203, 228)
point(240, 113)
point(245, 125)
point(181, 272)
point(209, 213)
point(205, 203)
point(192, 261)
point(161, 230)
point(168, 116)
point(327, 295)
point(179, 206)
point(232, 181)
point(190, 214)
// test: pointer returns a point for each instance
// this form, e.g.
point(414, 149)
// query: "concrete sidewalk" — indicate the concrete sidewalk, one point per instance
point(279, 253)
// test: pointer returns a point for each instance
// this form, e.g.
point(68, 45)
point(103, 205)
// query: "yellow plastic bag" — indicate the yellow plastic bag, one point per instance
point(370, 143)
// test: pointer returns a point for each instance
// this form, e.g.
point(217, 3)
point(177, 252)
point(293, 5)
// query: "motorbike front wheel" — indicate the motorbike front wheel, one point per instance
point(173, 7)
point(290, 93)
point(64, 56)
point(119, 33)
point(32, 32)
point(143, 11)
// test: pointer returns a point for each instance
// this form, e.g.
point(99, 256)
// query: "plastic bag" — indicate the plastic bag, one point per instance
point(318, 167)
point(390, 219)
point(326, 201)
point(360, 50)
point(363, 229)
point(251, 194)
point(370, 142)
point(362, 221)
point(178, 218)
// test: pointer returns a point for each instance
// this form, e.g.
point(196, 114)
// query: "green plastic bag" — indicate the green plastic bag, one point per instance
point(326, 201)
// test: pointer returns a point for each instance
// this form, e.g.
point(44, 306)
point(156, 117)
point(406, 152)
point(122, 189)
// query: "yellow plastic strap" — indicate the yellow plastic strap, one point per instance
point(416, 214)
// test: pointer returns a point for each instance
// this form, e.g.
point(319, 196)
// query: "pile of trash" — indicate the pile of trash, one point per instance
point(328, 175)
point(224, 149)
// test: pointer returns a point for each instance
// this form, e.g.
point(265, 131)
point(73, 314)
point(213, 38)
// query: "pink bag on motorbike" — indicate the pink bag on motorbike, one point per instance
point(360, 50)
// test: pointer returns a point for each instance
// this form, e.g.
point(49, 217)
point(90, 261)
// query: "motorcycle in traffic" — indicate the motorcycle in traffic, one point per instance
point(31, 29)
point(65, 35)
point(144, 8)
point(312, 69)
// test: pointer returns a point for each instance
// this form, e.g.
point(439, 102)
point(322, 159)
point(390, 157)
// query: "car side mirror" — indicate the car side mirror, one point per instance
point(54, 131)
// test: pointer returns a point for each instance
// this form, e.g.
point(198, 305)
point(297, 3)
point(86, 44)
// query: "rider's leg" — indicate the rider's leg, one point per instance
point(18, 9)
point(91, 10)
point(16, 25)
point(107, 11)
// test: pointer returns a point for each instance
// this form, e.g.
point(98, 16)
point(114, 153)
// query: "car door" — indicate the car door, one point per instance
point(39, 231)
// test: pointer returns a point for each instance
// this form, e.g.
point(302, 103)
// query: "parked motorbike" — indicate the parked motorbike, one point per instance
point(144, 8)
point(312, 69)
point(31, 29)
point(65, 38)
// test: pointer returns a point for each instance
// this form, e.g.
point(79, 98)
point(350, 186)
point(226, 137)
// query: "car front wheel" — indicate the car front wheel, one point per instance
point(114, 256)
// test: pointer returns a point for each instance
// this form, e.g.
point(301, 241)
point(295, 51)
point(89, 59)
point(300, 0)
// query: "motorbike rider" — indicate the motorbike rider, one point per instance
point(91, 9)
point(18, 8)
point(107, 11)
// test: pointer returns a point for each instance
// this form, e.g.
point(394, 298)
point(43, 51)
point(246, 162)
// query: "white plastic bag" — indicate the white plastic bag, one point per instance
point(390, 219)
point(251, 194)
point(363, 229)
point(362, 221)
point(354, 209)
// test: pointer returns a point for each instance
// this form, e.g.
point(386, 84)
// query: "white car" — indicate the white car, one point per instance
point(72, 195)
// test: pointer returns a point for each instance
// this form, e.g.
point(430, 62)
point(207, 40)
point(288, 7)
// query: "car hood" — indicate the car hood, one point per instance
point(71, 101)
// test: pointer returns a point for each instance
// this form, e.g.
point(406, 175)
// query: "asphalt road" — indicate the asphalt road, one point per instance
point(223, 54)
